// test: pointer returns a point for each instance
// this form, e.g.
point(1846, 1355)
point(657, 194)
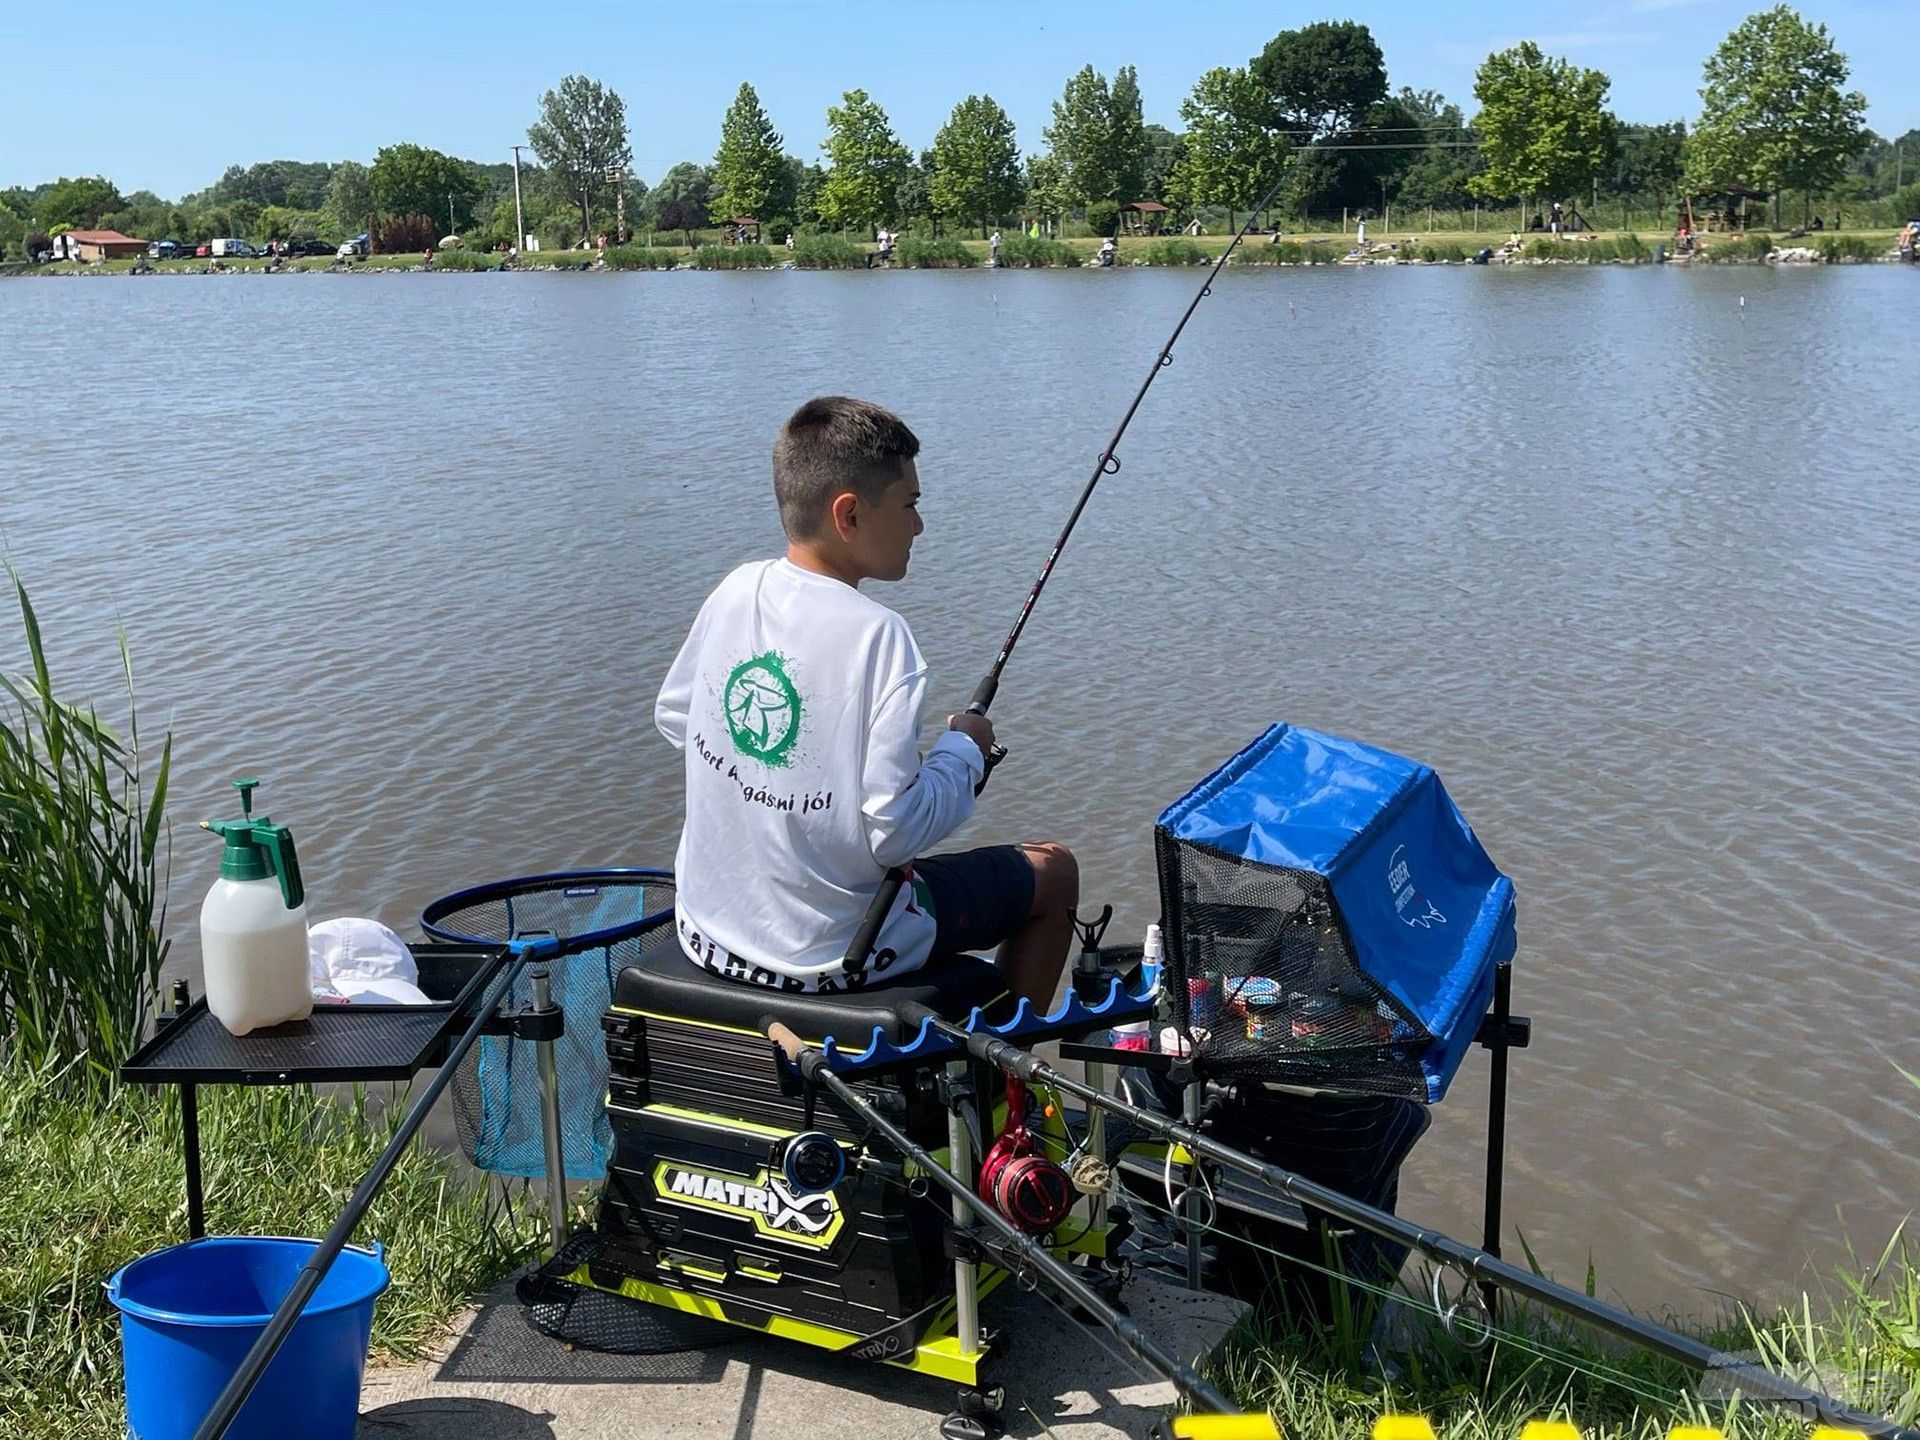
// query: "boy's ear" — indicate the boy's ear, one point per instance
point(842, 514)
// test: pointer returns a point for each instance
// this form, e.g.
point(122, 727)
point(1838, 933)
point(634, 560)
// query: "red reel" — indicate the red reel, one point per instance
point(1018, 1181)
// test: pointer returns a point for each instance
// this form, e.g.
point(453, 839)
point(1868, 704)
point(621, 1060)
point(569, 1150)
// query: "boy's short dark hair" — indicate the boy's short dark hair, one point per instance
point(832, 444)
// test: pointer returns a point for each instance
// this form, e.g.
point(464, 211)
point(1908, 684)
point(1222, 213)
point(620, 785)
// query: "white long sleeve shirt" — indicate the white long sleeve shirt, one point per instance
point(796, 700)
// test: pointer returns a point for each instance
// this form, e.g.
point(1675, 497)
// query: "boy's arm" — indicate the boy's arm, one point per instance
point(912, 804)
point(676, 691)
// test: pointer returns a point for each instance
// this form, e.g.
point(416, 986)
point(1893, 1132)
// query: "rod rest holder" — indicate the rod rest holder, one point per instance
point(1514, 1032)
point(528, 1024)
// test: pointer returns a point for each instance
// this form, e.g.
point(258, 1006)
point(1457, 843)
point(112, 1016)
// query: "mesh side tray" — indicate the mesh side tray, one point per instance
point(336, 1043)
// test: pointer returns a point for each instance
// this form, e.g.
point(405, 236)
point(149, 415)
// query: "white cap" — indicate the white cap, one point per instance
point(365, 961)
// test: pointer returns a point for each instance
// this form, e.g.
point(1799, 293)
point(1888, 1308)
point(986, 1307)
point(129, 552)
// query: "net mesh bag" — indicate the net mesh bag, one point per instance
point(496, 1092)
point(1267, 980)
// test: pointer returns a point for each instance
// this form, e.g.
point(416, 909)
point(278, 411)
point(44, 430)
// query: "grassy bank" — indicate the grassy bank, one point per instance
point(90, 1171)
point(90, 1180)
point(836, 252)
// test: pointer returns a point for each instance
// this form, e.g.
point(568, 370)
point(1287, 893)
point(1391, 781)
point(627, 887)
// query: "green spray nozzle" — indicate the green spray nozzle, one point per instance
point(258, 848)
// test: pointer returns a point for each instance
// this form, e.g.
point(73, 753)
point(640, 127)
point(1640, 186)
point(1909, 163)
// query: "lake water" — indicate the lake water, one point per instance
point(1632, 565)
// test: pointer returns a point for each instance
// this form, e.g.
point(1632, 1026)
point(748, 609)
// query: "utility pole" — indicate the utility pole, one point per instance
point(452, 229)
point(519, 219)
point(620, 206)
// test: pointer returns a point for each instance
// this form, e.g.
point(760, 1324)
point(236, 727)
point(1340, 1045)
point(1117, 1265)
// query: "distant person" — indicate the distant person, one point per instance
point(426, 260)
point(1360, 235)
point(993, 248)
point(789, 240)
point(1033, 230)
point(1107, 251)
point(1818, 223)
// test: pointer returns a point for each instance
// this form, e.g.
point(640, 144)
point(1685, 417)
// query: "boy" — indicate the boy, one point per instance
point(796, 700)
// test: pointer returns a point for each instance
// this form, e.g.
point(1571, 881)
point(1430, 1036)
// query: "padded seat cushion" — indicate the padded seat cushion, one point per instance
point(667, 983)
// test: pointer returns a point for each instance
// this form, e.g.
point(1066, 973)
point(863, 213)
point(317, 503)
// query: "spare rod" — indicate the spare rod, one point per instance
point(1755, 1382)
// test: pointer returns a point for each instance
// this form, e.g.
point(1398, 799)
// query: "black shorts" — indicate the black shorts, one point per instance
point(978, 897)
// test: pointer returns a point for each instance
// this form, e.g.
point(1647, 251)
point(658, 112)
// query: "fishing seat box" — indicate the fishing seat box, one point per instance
point(700, 1112)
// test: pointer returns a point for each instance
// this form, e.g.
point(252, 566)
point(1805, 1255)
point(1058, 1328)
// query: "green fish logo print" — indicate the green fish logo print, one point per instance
point(763, 709)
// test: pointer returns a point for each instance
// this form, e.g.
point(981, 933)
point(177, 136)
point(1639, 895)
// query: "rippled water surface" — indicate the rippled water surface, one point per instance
point(1635, 569)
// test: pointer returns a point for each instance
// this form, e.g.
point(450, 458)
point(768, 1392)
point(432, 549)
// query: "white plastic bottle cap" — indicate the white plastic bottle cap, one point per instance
point(1154, 947)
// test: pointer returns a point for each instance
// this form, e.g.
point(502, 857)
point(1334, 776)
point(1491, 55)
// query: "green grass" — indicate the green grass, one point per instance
point(643, 257)
point(733, 257)
point(943, 254)
point(827, 252)
point(1175, 250)
point(1027, 252)
point(89, 1182)
point(82, 850)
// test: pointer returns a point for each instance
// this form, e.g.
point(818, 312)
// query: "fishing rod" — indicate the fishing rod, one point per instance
point(1038, 1261)
point(868, 931)
point(1756, 1382)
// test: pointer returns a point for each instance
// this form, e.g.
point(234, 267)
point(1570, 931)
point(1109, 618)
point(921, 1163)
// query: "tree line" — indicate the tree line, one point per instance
point(1311, 119)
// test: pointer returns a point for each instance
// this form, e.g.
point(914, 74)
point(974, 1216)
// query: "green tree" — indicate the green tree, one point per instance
point(1774, 115)
point(1438, 174)
point(1047, 198)
point(865, 164)
point(350, 197)
point(1652, 161)
point(1232, 157)
point(1164, 149)
point(78, 203)
point(414, 180)
point(1322, 78)
point(1127, 137)
point(1081, 138)
point(750, 173)
point(581, 139)
point(976, 164)
point(1543, 125)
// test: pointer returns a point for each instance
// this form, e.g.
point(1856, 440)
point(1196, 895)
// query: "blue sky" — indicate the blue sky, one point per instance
point(163, 97)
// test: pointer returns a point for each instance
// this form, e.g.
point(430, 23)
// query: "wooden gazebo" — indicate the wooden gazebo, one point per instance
point(1143, 217)
point(1723, 209)
point(737, 230)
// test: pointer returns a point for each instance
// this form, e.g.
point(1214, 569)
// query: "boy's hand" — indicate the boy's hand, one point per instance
point(977, 728)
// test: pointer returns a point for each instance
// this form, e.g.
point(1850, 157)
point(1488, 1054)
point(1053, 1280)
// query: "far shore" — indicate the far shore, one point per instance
point(1309, 248)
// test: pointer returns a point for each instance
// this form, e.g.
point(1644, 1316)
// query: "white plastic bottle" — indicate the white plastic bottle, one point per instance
point(253, 925)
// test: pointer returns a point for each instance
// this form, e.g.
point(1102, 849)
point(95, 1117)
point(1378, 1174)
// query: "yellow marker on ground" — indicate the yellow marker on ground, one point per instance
point(1695, 1432)
point(1830, 1432)
point(1549, 1430)
point(1225, 1427)
point(1403, 1427)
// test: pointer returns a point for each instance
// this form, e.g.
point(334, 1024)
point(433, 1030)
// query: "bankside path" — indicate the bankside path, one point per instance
point(499, 1379)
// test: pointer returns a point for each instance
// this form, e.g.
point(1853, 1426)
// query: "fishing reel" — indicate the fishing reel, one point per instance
point(1017, 1180)
point(812, 1163)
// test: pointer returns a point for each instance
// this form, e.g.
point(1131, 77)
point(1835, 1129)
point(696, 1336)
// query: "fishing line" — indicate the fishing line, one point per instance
point(1522, 1341)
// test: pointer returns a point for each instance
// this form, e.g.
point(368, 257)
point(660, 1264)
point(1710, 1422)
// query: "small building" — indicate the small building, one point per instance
point(91, 246)
point(740, 230)
point(1143, 217)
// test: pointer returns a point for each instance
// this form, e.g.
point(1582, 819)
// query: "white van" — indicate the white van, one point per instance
point(232, 250)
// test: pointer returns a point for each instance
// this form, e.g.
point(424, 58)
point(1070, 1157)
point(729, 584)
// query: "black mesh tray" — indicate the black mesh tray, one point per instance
point(335, 1043)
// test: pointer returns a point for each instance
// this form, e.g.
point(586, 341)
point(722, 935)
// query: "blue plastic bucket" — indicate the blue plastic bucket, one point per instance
point(189, 1313)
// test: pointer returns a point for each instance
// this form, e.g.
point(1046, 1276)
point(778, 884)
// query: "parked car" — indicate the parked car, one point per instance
point(202, 251)
point(309, 247)
point(360, 244)
point(167, 250)
point(231, 249)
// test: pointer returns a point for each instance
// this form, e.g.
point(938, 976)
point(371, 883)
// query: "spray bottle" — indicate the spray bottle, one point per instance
point(253, 926)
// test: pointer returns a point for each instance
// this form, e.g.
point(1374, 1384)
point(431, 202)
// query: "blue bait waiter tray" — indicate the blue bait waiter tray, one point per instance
point(1332, 921)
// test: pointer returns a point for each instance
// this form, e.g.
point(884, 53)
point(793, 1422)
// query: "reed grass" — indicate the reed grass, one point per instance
point(1175, 250)
point(1034, 252)
point(827, 252)
point(642, 257)
point(733, 257)
point(90, 1180)
point(83, 850)
point(946, 253)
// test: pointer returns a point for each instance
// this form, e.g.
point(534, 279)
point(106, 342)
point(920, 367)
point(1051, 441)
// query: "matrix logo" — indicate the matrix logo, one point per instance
point(775, 1211)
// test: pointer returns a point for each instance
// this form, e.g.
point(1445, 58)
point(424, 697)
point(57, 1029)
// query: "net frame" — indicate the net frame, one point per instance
point(496, 1091)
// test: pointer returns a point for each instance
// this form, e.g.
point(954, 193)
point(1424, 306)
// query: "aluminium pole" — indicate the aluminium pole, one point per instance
point(519, 216)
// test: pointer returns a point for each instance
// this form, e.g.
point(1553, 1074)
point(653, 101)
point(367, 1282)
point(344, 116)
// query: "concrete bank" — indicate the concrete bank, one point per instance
point(498, 1378)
